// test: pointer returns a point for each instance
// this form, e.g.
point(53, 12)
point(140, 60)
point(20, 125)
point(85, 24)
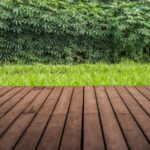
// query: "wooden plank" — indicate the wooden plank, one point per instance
point(144, 91)
point(112, 133)
point(1, 87)
point(27, 116)
point(9, 138)
point(38, 125)
point(5, 90)
point(35, 130)
point(142, 101)
point(140, 116)
point(36, 104)
point(93, 138)
point(14, 100)
point(73, 129)
point(75, 118)
point(9, 94)
point(148, 87)
point(134, 137)
point(12, 115)
point(52, 135)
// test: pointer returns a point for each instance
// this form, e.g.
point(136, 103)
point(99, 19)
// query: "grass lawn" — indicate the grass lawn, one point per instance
point(125, 73)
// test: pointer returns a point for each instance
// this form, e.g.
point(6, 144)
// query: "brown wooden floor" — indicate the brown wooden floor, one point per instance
point(73, 118)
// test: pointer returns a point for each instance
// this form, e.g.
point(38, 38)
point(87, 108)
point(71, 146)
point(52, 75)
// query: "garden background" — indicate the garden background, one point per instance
point(53, 32)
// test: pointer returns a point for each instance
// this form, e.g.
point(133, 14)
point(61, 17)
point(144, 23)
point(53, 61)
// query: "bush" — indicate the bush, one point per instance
point(62, 32)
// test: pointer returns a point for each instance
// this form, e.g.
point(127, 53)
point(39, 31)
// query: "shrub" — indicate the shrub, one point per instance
point(62, 32)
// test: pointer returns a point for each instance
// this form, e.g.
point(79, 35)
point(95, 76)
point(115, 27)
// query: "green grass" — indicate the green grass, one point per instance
point(125, 73)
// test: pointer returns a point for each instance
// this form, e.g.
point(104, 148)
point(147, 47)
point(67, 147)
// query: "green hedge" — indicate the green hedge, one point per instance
point(62, 32)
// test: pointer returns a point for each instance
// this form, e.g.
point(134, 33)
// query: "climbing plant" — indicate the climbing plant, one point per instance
point(52, 31)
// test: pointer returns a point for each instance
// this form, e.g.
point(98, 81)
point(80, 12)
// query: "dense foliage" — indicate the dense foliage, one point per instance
point(51, 31)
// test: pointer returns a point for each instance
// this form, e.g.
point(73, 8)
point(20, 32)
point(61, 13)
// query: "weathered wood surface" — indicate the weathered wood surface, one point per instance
point(74, 118)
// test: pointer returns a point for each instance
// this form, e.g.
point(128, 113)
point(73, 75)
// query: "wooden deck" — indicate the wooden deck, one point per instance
point(74, 118)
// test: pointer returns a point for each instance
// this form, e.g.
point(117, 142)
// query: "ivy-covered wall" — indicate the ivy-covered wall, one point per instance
point(52, 31)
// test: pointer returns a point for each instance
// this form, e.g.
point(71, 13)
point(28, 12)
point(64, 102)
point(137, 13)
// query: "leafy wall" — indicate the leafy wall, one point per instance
point(62, 32)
